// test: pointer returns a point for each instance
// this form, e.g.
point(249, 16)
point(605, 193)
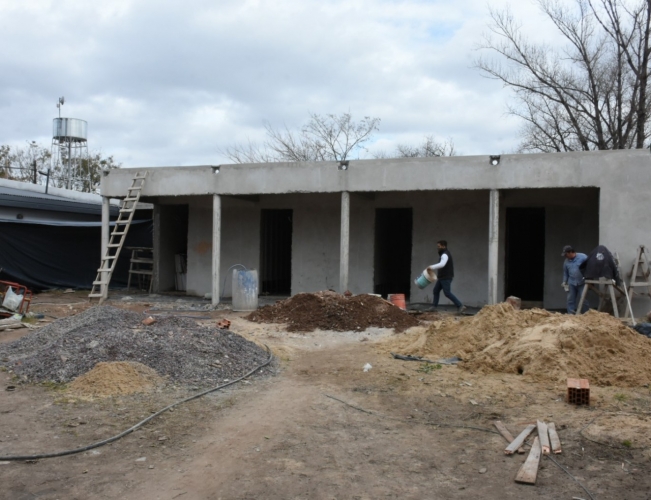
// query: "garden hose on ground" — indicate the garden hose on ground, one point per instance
point(139, 424)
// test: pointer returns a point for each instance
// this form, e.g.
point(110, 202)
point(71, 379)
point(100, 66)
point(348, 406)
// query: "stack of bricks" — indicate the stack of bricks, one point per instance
point(578, 391)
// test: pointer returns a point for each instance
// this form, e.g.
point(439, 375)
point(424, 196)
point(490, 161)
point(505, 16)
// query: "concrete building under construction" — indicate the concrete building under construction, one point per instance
point(372, 225)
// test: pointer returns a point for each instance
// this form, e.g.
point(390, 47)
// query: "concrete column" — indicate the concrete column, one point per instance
point(216, 245)
point(155, 287)
point(344, 250)
point(493, 245)
point(106, 229)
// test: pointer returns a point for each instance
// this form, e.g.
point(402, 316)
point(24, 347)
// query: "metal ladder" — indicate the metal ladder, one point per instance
point(118, 235)
point(640, 276)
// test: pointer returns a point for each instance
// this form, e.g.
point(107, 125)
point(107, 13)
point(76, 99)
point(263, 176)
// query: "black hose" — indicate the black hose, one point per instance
point(139, 424)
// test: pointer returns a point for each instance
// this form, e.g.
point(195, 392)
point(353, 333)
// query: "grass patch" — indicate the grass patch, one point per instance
point(627, 443)
point(429, 367)
point(621, 397)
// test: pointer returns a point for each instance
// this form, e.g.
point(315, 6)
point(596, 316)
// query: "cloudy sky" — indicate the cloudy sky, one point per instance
point(171, 82)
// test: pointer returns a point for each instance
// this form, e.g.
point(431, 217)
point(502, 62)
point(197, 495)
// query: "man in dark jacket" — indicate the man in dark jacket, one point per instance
point(600, 264)
point(445, 272)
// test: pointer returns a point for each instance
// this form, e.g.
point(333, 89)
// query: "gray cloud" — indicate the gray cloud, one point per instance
point(169, 83)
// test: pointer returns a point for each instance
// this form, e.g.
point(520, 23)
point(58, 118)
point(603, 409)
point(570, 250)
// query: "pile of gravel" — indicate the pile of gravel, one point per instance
point(179, 348)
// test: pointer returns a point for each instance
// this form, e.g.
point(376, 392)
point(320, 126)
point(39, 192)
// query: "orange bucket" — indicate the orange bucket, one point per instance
point(398, 299)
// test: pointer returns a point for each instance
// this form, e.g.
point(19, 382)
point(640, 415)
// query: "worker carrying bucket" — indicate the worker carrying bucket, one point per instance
point(428, 276)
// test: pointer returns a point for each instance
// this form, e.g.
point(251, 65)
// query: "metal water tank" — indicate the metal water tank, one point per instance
point(70, 129)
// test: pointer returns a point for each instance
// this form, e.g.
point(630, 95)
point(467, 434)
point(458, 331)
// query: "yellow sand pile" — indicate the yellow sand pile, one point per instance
point(114, 379)
point(540, 344)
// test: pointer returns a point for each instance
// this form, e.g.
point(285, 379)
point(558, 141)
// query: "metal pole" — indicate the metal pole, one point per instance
point(35, 172)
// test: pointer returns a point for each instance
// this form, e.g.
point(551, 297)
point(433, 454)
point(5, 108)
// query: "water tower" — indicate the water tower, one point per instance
point(69, 149)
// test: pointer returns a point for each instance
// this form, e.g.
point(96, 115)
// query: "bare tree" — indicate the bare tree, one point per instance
point(26, 163)
point(429, 147)
point(590, 95)
point(323, 138)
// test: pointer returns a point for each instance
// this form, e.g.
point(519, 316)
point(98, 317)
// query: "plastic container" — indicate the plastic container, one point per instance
point(424, 280)
point(398, 300)
point(245, 290)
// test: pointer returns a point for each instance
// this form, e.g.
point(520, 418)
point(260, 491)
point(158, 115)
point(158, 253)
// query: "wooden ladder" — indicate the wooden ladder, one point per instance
point(641, 271)
point(127, 208)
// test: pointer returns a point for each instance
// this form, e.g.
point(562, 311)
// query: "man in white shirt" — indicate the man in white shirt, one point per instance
point(445, 272)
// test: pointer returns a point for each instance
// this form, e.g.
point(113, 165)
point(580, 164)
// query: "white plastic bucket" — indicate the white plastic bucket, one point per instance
point(424, 280)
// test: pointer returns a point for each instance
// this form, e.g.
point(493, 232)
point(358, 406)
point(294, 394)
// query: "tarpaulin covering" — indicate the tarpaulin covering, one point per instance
point(62, 254)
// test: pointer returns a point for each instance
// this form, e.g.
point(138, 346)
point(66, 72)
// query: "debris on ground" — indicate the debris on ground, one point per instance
point(149, 320)
point(305, 312)
point(540, 344)
point(224, 324)
point(178, 348)
point(116, 379)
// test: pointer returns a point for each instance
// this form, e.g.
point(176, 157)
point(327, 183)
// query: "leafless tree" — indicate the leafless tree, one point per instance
point(17, 163)
point(590, 95)
point(323, 138)
point(429, 147)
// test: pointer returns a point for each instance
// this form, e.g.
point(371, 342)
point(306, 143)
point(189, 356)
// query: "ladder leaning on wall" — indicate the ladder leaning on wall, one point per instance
point(118, 235)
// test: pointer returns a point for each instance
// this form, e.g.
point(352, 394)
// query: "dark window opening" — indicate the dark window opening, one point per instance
point(392, 259)
point(276, 252)
point(525, 253)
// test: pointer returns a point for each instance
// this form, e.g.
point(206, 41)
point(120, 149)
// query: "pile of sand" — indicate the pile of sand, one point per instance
point(116, 379)
point(306, 312)
point(540, 344)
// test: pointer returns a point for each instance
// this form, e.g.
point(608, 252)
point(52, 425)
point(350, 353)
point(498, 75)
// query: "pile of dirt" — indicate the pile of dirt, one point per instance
point(305, 312)
point(116, 379)
point(540, 344)
point(175, 347)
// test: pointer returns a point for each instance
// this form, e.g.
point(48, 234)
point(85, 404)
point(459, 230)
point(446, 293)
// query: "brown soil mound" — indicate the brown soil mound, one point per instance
point(114, 379)
point(543, 345)
point(306, 312)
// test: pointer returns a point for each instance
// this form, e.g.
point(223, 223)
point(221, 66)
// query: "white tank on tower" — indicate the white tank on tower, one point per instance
point(70, 152)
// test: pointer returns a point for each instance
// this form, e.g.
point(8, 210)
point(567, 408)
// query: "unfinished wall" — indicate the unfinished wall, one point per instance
point(199, 280)
point(170, 238)
point(571, 218)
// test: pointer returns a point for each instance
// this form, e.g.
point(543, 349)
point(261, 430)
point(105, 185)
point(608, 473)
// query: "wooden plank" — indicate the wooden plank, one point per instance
point(544, 437)
point(517, 442)
point(505, 433)
point(529, 470)
point(553, 438)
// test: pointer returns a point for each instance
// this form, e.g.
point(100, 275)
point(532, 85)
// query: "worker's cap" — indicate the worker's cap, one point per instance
point(567, 249)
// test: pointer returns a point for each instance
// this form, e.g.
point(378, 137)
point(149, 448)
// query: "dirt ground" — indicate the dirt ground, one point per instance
point(320, 427)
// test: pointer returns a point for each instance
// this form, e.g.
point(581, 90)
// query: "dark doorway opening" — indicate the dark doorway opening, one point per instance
point(276, 252)
point(525, 253)
point(392, 259)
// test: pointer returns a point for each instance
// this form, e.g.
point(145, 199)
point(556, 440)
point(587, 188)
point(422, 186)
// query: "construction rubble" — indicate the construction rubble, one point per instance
point(176, 348)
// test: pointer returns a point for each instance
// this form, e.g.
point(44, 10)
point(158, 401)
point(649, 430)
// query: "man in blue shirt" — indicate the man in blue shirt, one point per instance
point(573, 281)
